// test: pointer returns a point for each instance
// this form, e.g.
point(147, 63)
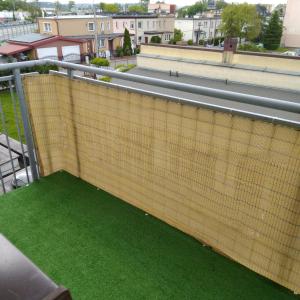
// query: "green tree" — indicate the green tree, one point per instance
point(241, 20)
point(198, 7)
point(182, 12)
point(221, 4)
point(178, 34)
point(71, 4)
point(137, 9)
point(57, 6)
point(127, 48)
point(273, 33)
point(111, 8)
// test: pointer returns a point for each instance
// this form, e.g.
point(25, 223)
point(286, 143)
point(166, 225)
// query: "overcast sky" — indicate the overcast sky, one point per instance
point(177, 2)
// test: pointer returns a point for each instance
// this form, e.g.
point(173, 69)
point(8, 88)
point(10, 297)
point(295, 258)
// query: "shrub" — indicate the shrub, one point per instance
point(105, 78)
point(251, 47)
point(218, 41)
point(201, 42)
point(100, 62)
point(125, 68)
point(45, 69)
point(190, 42)
point(155, 39)
point(119, 51)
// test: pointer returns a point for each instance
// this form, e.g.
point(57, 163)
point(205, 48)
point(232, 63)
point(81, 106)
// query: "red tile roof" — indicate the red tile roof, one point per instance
point(11, 49)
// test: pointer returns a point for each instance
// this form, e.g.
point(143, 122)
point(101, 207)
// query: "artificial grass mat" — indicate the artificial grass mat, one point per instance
point(103, 248)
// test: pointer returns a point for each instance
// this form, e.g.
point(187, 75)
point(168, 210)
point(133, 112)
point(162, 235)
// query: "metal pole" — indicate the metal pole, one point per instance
point(26, 124)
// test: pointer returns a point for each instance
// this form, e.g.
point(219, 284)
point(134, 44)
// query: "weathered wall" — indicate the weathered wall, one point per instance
point(220, 72)
point(183, 52)
point(227, 180)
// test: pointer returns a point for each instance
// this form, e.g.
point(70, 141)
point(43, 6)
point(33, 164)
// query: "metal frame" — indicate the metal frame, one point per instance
point(201, 90)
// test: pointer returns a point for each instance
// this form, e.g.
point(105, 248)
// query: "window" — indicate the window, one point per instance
point(91, 26)
point(159, 24)
point(153, 24)
point(131, 25)
point(140, 25)
point(101, 26)
point(47, 27)
point(140, 39)
point(205, 24)
point(148, 24)
point(117, 25)
point(101, 43)
point(108, 26)
point(167, 37)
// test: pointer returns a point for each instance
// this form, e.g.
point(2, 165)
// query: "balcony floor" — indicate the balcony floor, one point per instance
point(103, 248)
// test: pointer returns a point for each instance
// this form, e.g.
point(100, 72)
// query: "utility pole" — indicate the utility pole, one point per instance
point(96, 31)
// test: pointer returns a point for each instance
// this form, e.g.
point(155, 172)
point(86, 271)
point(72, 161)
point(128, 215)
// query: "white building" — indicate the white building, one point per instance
point(202, 28)
point(161, 8)
point(291, 25)
point(145, 27)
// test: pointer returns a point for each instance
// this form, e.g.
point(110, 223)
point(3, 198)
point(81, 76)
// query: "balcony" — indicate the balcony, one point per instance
point(142, 195)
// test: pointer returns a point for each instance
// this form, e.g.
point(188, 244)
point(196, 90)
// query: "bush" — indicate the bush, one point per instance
point(190, 42)
point(201, 42)
point(45, 69)
point(124, 68)
point(155, 39)
point(218, 41)
point(137, 51)
point(251, 47)
point(105, 78)
point(100, 62)
point(119, 52)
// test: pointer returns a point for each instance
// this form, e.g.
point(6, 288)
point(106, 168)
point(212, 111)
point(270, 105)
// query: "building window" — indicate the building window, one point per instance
point(47, 27)
point(140, 25)
point(101, 26)
point(140, 39)
point(167, 37)
point(148, 24)
point(91, 26)
point(131, 25)
point(108, 26)
point(101, 43)
point(117, 25)
point(205, 24)
point(153, 24)
point(159, 24)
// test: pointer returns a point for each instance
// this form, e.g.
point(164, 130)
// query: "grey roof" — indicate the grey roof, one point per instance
point(30, 37)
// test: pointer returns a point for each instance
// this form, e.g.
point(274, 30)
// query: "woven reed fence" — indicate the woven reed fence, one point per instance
point(227, 180)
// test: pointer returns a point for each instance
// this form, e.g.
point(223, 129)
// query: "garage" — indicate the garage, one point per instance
point(71, 53)
point(50, 52)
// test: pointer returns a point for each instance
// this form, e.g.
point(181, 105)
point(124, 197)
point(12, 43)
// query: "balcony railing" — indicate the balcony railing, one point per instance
point(229, 177)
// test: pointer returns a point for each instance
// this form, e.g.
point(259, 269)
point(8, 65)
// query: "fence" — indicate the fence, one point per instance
point(16, 159)
point(9, 31)
point(229, 178)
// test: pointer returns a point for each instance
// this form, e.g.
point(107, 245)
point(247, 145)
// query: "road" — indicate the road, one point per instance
point(217, 84)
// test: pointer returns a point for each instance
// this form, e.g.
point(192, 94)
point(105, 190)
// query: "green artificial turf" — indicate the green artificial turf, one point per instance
point(103, 248)
point(9, 115)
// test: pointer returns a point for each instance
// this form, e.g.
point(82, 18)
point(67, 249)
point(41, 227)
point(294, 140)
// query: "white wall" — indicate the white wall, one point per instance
point(186, 26)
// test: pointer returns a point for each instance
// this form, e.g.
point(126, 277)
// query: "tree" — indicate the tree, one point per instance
point(241, 20)
point(221, 4)
point(198, 7)
point(57, 6)
point(71, 4)
point(273, 32)
point(111, 8)
point(178, 34)
point(137, 9)
point(182, 12)
point(127, 48)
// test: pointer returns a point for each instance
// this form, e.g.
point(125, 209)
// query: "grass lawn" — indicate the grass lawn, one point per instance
point(9, 116)
point(103, 248)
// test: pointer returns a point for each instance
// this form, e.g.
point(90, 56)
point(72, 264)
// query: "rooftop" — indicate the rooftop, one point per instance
point(11, 49)
point(74, 17)
point(30, 38)
point(103, 248)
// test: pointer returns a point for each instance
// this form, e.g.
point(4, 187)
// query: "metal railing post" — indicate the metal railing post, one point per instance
point(26, 124)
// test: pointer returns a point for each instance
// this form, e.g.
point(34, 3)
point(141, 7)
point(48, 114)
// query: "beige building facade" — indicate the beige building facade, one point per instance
point(291, 25)
point(84, 27)
point(144, 27)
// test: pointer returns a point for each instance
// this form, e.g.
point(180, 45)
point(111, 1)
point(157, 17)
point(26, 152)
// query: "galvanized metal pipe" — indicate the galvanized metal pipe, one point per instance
point(201, 90)
point(26, 124)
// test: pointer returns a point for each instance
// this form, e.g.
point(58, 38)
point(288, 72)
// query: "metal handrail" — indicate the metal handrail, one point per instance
point(201, 90)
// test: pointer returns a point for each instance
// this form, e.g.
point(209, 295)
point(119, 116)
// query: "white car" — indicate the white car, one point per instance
point(290, 53)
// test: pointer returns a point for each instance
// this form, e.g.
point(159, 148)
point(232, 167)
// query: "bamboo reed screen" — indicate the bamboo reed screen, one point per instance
point(227, 180)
